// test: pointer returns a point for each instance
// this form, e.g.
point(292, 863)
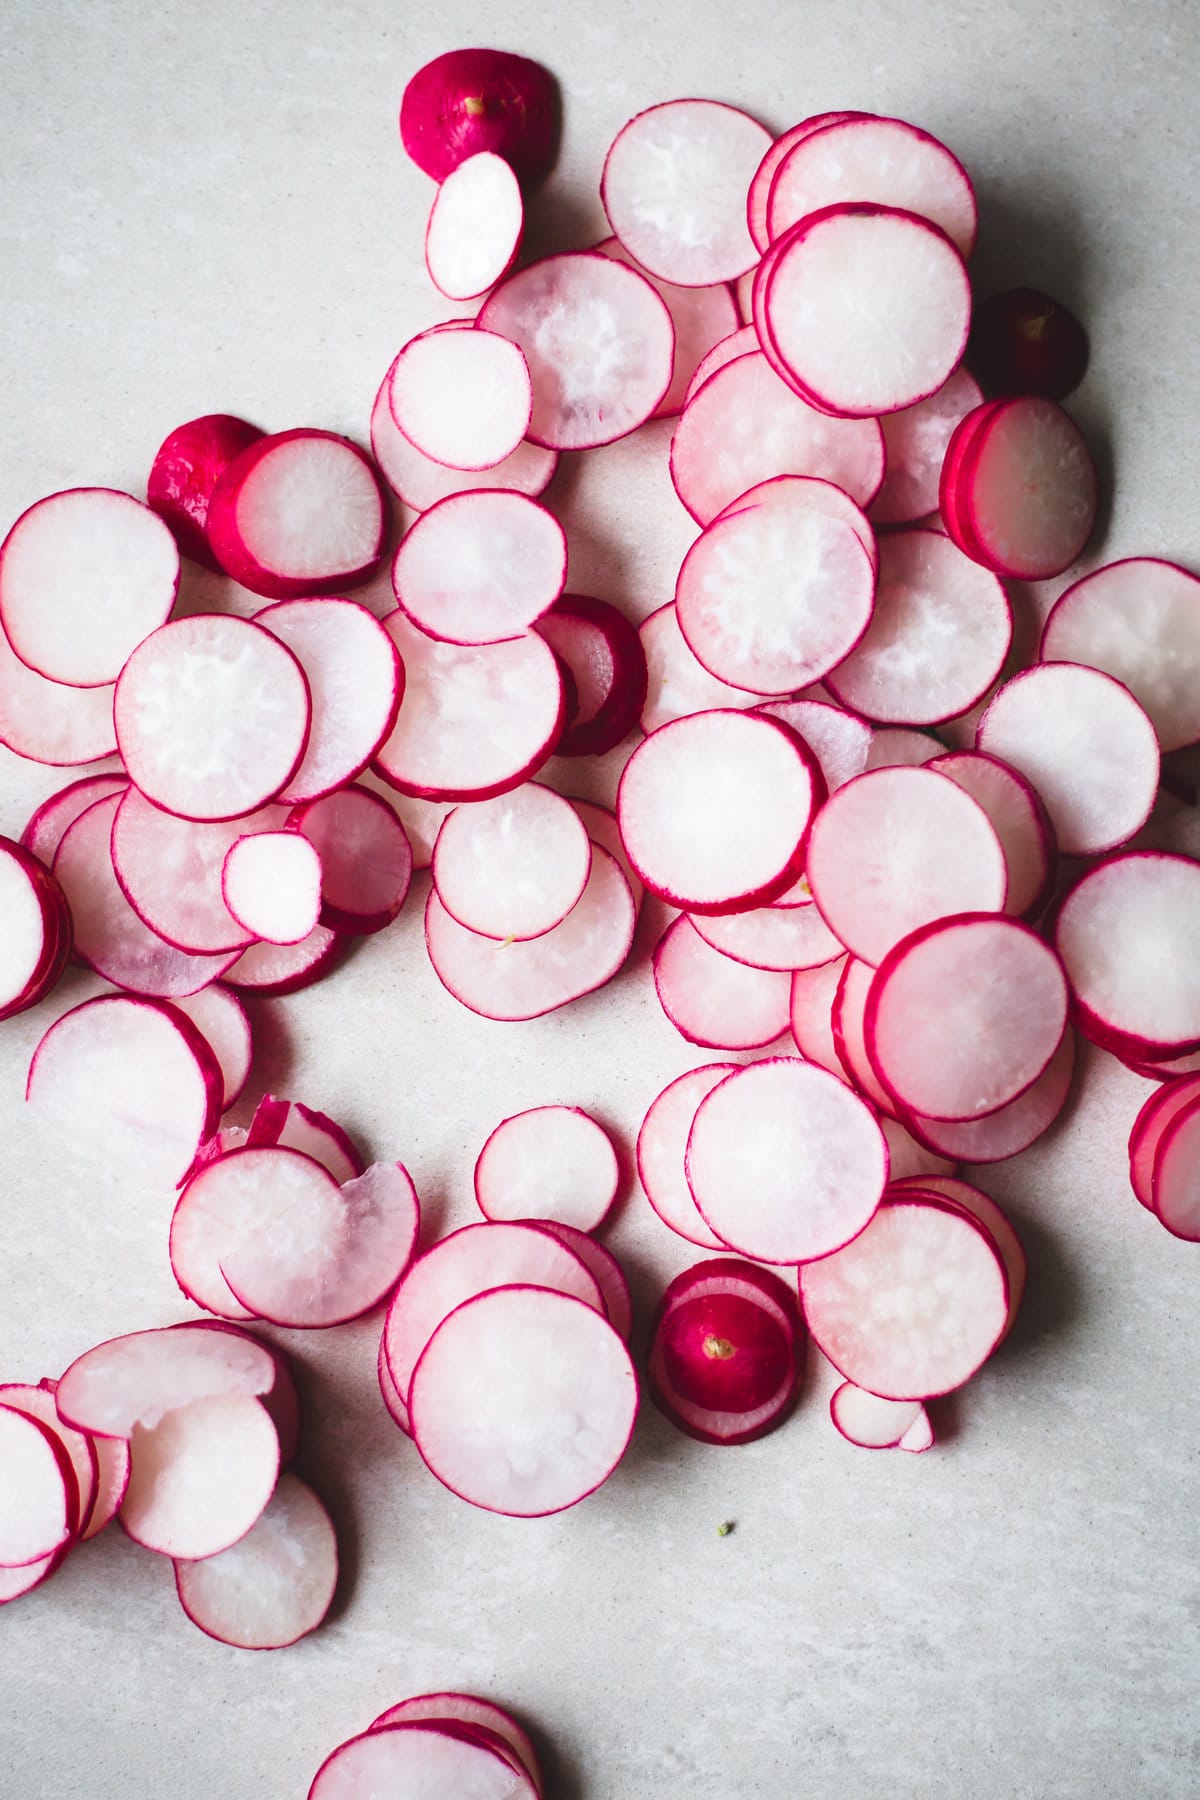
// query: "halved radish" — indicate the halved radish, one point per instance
point(1023, 497)
point(702, 318)
point(185, 470)
point(276, 1584)
point(169, 870)
point(220, 1018)
point(1020, 821)
point(553, 1163)
point(772, 937)
point(726, 1352)
point(812, 999)
point(475, 226)
point(840, 742)
point(462, 398)
point(201, 1477)
point(916, 440)
point(713, 1000)
point(470, 1710)
point(662, 1146)
point(37, 929)
point(512, 868)
point(421, 483)
point(1014, 1127)
point(271, 883)
point(606, 1270)
point(39, 1403)
point(423, 1761)
point(604, 654)
point(44, 831)
point(470, 101)
point(677, 684)
point(1146, 1133)
point(869, 1422)
point(139, 1379)
point(276, 969)
point(1023, 342)
point(993, 1219)
point(39, 1496)
point(1175, 1183)
point(366, 857)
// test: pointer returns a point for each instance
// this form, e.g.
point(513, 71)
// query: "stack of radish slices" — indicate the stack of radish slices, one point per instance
point(435, 1747)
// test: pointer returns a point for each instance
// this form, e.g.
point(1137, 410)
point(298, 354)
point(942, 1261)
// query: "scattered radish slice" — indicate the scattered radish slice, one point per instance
point(848, 1022)
point(677, 684)
point(812, 999)
point(607, 1272)
point(553, 1163)
point(604, 654)
point(985, 1211)
point(421, 1761)
point(771, 937)
point(201, 1477)
point(47, 722)
point(916, 440)
point(38, 1403)
point(1175, 1183)
point(1014, 1127)
point(271, 882)
point(886, 161)
point(713, 1000)
point(138, 1380)
point(220, 1018)
point(462, 398)
point(185, 470)
point(1022, 499)
point(466, 102)
point(840, 742)
point(741, 342)
point(1159, 1111)
point(37, 934)
point(725, 1352)
point(169, 870)
point(275, 1585)
point(366, 858)
point(39, 1500)
point(760, 188)
point(475, 226)
point(662, 1146)
point(112, 1482)
point(421, 482)
point(702, 318)
point(274, 969)
point(869, 1422)
point(512, 868)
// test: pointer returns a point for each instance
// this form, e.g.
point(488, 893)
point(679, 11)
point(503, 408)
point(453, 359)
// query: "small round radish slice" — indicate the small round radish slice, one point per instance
point(1014, 1127)
point(275, 1585)
point(201, 1477)
point(468, 1709)
point(513, 867)
point(1160, 1111)
point(294, 1126)
point(137, 1380)
point(782, 493)
point(786, 1164)
point(185, 470)
point(702, 316)
point(599, 343)
point(677, 684)
point(992, 1218)
point(814, 993)
point(366, 858)
point(275, 969)
point(85, 575)
point(1020, 820)
point(39, 1502)
point(48, 825)
point(1023, 342)
point(724, 1362)
point(424, 1762)
point(771, 937)
point(713, 1000)
point(606, 1270)
point(662, 1146)
point(47, 722)
point(271, 883)
point(1175, 1183)
point(220, 1018)
point(468, 102)
point(1026, 491)
point(463, 398)
point(475, 227)
point(421, 483)
point(523, 1401)
point(916, 440)
point(869, 1422)
point(554, 1163)
point(607, 663)
point(169, 870)
point(37, 929)
point(38, 1403)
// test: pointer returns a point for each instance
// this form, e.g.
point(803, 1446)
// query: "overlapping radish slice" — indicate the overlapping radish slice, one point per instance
point(186, 468)
point(989, 1215)
point(840, 742)
point(848, 1024)
point(475, 226)
point(420, 818)
point(47, 824)
point(420, 482)
point(759, 192)
point(220, 1018)
point(741, 342)
point(1014, 1127)
point(1175, 1183)
point(201, 1477)
point(271, 882)
point(169, 870)
point(137, 1380)
point(677, 684)
point(713, 1000)
point(1160, 1111)
point(38, 1403)
point(275, 1584)
point(607, 663)
point(48, 722)
point(512, 868)
point(603, 1266)
point(869, 1422)
point(702, 317)
point(726, 1352)
point(916, 440)
point(423, 1761)
point(290, 1125)
point(811, 493)
point(39, 1495)
point(276, 969)
point(366, 857)
point(462, 398)
point(813, 994)
point(1022, 495)
point(1020, 821)
point(112, 1482)
point(37, 935)
point(553, 1163)
point(662, 1146)
point(468, 1709)
point(771, 937)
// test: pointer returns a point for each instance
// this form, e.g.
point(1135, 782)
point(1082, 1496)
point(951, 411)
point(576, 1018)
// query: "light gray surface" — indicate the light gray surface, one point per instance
point(206, 208)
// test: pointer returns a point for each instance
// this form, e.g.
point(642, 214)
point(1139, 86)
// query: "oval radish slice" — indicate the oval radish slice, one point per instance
point(46, 827)
point(742, 342)
point(868, 1422)
point(220, 1018)
point(463, 398)
point(994, 1221)
point(1012, 1129)
point(470, 1710)
point(37, 929)
point(702, 318)
point(662, 1145)
point(513, 867)
point(599, 343)
point(785, 1162)
point(201, 1477)
point(714, 1001)
point(139, 1379)
point(1159, 1111)
point(85, 575)
point(112, 1482)
point(47, 722)
point(38, 1403)
point(170, 871)
point(475, 226)
point(840, 742)
point(366, 858)
point(604, 1267)
point(271, 883)
point(848, 1021)
point(677, 684)
point(1175, 1186)
point(604, 654)
point(276, 1584)
point(421, 483)
point(772, 937)
point(1020, 821)
point(724, 1362)
point(907, 1158)
point(916, 440)
point(271, 970)
point(38, 1508)
point(523, 1401)
point(409, 1761)
point(1026, 491)
point(185, 470)
point(554, 1163)
point(814, 992)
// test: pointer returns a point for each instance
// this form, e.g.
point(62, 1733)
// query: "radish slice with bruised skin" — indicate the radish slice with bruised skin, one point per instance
point(662, 1146)
point(870, 1423)
point(991, 1217)
point(38, 931)
point(553, 1163)
point(276, 1584)
point(220, 1018)
point(80, 1450)
point(423, 1761)
point(512, 868)
point(741, 342)
point(606, 1270)
point(916, 440)
point(366, 858)
point(46, 722)
point(725, 1354)
point(271, 883)
point(293, 1126)
point(1014, 1127)
point(713, 1000)
point(470, 101)
point(468, 1709)
point(1020, 821)
point(185, 470)
point(847, 1021)
point(677, 684)
point(1025, 492)
point(1159, 1111)
point(702, 317)
point(169, 870)
point(201, 1477)
point(840, 742)
point(475, 227)
point(771, 937)
point(139, 1379)
point(46, 827)
point(607, 663)
point(39, 1497)
point(813, 995)
point(271, 970)
point(421, 483)
point(462, 398)
point(1175, 1182)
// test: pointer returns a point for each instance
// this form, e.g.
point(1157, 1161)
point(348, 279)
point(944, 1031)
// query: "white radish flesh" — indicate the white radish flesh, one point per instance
point(869, 1422)
point(475, 226)
point(848, 1021)
point(220, 1018)
point(421, 483)
point(170, 871)
point(662, 1146)
point(677, 684)
point(276, 1584)
point(985, 1211)
point(1026, 491)
point(48, 722)
point(603, 1266)
point(80, 1450)
point(416, 1762)
point(201, 1477)
point(702, 316)
point(714, 1001)
point(916, 440)
point(1175, 1184)
point(462, 398)
point(47, 826)
point(137, 1380)
point(760, 188)
point(366, 857)
point(1019, 819)
point(740, 342)
point(470, 1710)
point(39, 1504)
point(513, 867)
point(112, 1481)
point(607, 664)
point(1160, 1111)
point(271, 882)
point(1014, 1127)
point(553, 1163)
point(840, 742)
point(37, 929)
point(771, 937)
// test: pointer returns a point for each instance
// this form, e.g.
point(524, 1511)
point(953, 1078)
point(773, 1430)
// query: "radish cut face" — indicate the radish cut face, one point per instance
point(677, 684)
point(85, 575)
point(44, 832)
point(38, 1510)
point(170, 871)
point(220, 1018)
point(49, 723)
point(475, 227)
point(916, 440)
point(421, 483)
point(984, 1210)
point(409, 1761)
point(608, 1273)
point(276, 1584)
point(37, 929)
point(723, 1362)
point(201, 1477)
point(554, 1163)
point(137, 1380)
point(900, 747)
point(604, 654)
point(272, 969)
point(812, 1000)
point(112, 1481)
point(512, 867)
point(463, 398)
point(760, 188)
point(1020, 821)
point(366, 858)
point(1014, 1127)
point(869, 1422)
point(186, 469)
point(16, 1582)
point(1160, 1111)
point(662, 1146)
point(702, 317)
point(272, 886)
point(771, 937)
point(1176, 1180)
point(469, 1709)
point(80, 1450)
point(1026, 491)
point(848, 1021)
point(840, 742)
point(523, 1401)
point(741, 342)
point(714, 1001)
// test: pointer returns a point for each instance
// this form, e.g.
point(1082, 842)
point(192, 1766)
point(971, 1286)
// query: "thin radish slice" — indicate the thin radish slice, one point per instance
point(169, 870)
point(462, 398)
point(786, 1164)
point(475, 227)
point(512, 868)
point(1160, 1111)
point(1020, 820)
point(47, 722)
point(725, 1352)
point(16, 1582)
point(813, 994)
point(599, 343)
point(220, 1018)
point(366, 857)
point(606, 1270)
point(916, 440)
point(772, 937)
point(677, 684)
point(39, 1500)
point(554, 1163)
point(271, 883)
point(484, 1736)
point(276, 1584)
point(197, 1241)
point(760, 188)
point(607, 663)
point(840, 742)
point(47, 826)
point(421, 483)
point(474, 722)
point(298, 513)
point(38, 1403)
point(993, 1219)
point(185, 470)
point(523, 1401)
point(848, 1022)
point(702, 317)
point(37, 934)
point(282, 1400)
point(1014, 1127)
point(1087, 747)
point(201, 1478)
point(898, 746)
point(421, 819)
point(273, 970)
point(409, 1761)
point(907, 1158)
point(138, 1380)
point(782, 492)
point(85, 575)
point(897, 848)
point(714, 1001)
point(469, 101)
point(470, 1710)
point(1026, 491)
point(662, 1147)
point(741, 342)
point(914, 1306)
point(870, 1423)
point(390, 1393)
point(112, 1483)
point(1178, 1065)
point(1175, 1184)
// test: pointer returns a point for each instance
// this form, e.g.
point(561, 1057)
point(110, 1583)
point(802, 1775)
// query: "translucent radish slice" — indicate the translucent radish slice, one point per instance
point(273, 970)
point(674, 188)
point(524, 980)
point(484, 1736)
point(604, 654)
point(662, 1146)
point(37, 929)
point(785, 1162)
point(1087, 747)
point(298, 513)
point(212, 716)
point(916, 440)
point(771, 937)
point(85, 575)
point(840, 742)
point(475, 227)
point(1175, 1184)
point(220, 1018)
point(474, 722)
point(513, 867)
point(275, 1585)
point(39, 1504)
point(908, 1158)
point(79, 1449)
point(812, 999)
point(784, 492)
point(745, 426)
point(898, 746)
point(294, 1126)
point(676, 683)
point(421, 483)
point(914, 1306)
point(1028, 490)
point(702, 316)
point(185, 471)
point(1160, 1111)
point(133, 1081)
point(470, 1710)
point(724, 1362)
point(993, 1219)
point(137, 1380)
point(47, 722)
point(282, 1401)
point(463, 398)
point(409, 1761)
point(1020, 822)
point(46, 827)
point(741, 342)
point(760, 187)
point(201, 1477)
point(898, 848)
point(112, 1483)
point(868, 308)
point(849, 1035)
point(553, 1163)
point(714, 1001)
point(366, 858)
point(169, 870)
point(271, 882)
point(604, 1267)
point(1012, 1129)
point(14, 1583)
point(868, 1422)
point(599, 343)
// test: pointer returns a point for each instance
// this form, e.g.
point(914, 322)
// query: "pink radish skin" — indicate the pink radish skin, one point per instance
point(135, 1381)
point(713, 1000)
point(38, 1403)
point(44, 832)
point(870, 1423)
point(39, 1494)
point(514, 867)
point(1020, 822)
point(1174, 1185)
point(475, 227)
point(1159, 1111)
point(46, 722)
point(778, 493)
point(271, 971)
point(601, 826)
point(677, 684)
point(185, 470)
point(38, 929)
point(813, 995)
point(900, 747)
point(603, 1266)
point(366, 858)
point(702, 318)
point(271, 883)
point(390, 1393)
point(471, 1732)
point(470, 102)
point(471, 1710)
point(1025, 491)
point(14, 1583)
point(604, 654)
point(1014, 1127)
point(725, 1356)
point(169, 870)
point(201, 1477)
point(916, 440)
point(275, 1585)
point(662, 1146)
point(423, 1760)
point(421, 483)
point(462, 398)
point(553, 1163)
point(994, 1221)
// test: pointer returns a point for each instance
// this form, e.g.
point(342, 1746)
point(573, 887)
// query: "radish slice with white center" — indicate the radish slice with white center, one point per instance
point(742, 342)
point(867, 307)
point(474, 722)
point(677, 684)
point(298, 513)
point(137, 1380)
point(1087, 747)
point(1012, 1129)
point(49, 723)
point(276, 1584)
point(1175, 1184)
point(840, 742)
point(201, 1477)
point(916, 440)
point(169, 870)
point(848, 1022)
point(47, 826)
point(421, 483)
point(606, 1270)
point(725, 1352)
point(85, 575)
point(1160, 1111)
point(185, 470)
point(469, 1709)
point(1026, 491)
point(37, 929)
point(868, 1422)
point(220, 1018)
point(907, 1158)
point(212, 716)
point(271, 882)
point(786, 1164)
point(554, 1163)
point(409, 1761)
point(760, 188)
point(897, 848)
point(898, 746)
point(513, 867)
point(674, 188)
point(662, 1146)
point(523, 1401)
point(38, 1403)
point(814, 992)
point(604, 654)
point(713, 1000)
point(463, 398)
point(994, 1221)
point(133, 1081)
point(771, 937)
point(599, 343)
point(475, 226)
point(1020, 820)
point(38, 1507)
point(275, 969)
point(702, 316)
point(366, 858)
point(112, 1483)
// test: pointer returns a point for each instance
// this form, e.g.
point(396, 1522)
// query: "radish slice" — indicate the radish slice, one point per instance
point(421, 819)
point(133, 1081)
point(475, 226)
point(554, 1163)
point(812, 999)
point(169, 870)
point(298, 513)
point(784, 492)
point(282, 1401)
point(271, 883)
point(470, 101)
point(848, 1021)
point(421, 1761)
point(714, 1001)
point(604, 654)
point(994, 1221)
point(702, 317)
point(840, 742)
point(604, 1267)
point(742, 342)
point(137, 1381)
point(599, 343)
point(870, 1423)
point(724, 1362)
point(1026, 491)
point(897, 746)
point(39, 1504)
point(513, 867)
point(201, 1477)
point(421, 483)
point(470, 1710)
point(272, 969)
point(786, 1164)
point(760, 188)
point(885, 161)
point(1020, 821)
point(49, 723)
point(47, 826)
point(662, 1146)
point(916, 440)
point(463, 398)
point(290, 1125)
point(677, 684)
point(276, 1584)
point(898, 848)
point(1012, 1129)
point(914, 1306)
point(1175, 1186)
point(907, 1158)
point(112, 1483)
point(80, 1450)
point(484, 1736)
point(366, 858)
point(523, 1401)
point(85, 575)
point(37, 936)
point(390, 1393)
point(1160, 1111)
point(16, 1582)
point(185, 470)
point(674, 188)
point(220, 1018)
point(772, 937)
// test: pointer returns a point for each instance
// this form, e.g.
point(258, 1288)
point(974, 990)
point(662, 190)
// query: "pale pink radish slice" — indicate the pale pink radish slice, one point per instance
point(676, 683)
point(886, 161)
point(298, 513)
point(771, 937)
point(782, 492)
point(916, 440)
point(1175, 1184)
point(85, 575)
point(421, 483)
point(604, 1267)
point(47, 826)
point(220, 1018)
point(135, 1082)
point(136, 1381)
point(523, 1401)
point(410, 1761)
point(993, 1219)
point(390, 1393)
point(900, 747)
point(469, 1709)
point(169, 870)
point(760, 188)
point(212, 716)
point(840, 742)
point(870, 1423)
point(524, 980)
point(512, 868)
point(275, 969)
point(662, 1146)
point(848, 1022)
point(553, 1163)
point(813, 994)
point(185, 470)
point(1087, 747)
point(421, 819)
point(599, 343)
point(462, 398)
point(486, 1738)
point(230, 1137)
point(914, 1306)
point(112, 1483)
point(897, 848)
point(271, 883)
point(920, 1436)
point(785, 1162)
point(741, 342)
point(746, 426)
point(907, 1158)
point(1027, 491)
point(38, 1403)
point(474, 722)
point(276, 1584)
point(37, 929)
point(725, 1355)
point(713, 1000)
point(1139, 621)
point(702, 316)
point(475, 227)
point(39, 1499)
point(674, 188)
point(1020, 820)
point(604, 655)
point(201, 1478)
point(282, 1401)
point(47, 722)
point(366, 857)
point(1159, 1111)
point(867, 307)
point(16, 1582)
point(199, 1236)
point(1012, 1129)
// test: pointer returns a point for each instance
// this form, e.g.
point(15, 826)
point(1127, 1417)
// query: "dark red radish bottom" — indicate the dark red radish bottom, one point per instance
point(186, 468)
point(466, 102)
point(725, 1355)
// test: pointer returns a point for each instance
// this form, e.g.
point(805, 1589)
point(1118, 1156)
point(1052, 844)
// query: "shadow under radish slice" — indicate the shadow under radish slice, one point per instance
point(201, 1477)
point(1020, 821)
point(274, 1585)
point(702, 318)
point(677, 683)
point(39, 1496)
point(916, 440)
point(169, 870)
point(38, 1403)
point(418, 1759)
point(662, 1146)
point(462, 398)
point(47, 722)
point(421, 483)
point(726, 1352)
point(37, 929)
point(271, 883)
point(714, 1000)
point(220, 1018)
point(468, 1709)
point(1014, 1127)
point(870, 1423)
point(604, 654)
point(475, 226)
point(112, 1483)
point(512, 868)
point(553, 1163)
point(186, 468)
point(366, 857)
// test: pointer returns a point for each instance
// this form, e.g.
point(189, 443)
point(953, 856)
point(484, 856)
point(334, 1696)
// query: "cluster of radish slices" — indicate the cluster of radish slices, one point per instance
point(435, 1747)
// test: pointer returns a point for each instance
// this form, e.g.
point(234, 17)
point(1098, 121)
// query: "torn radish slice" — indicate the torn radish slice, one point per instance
point(662, 1145)
point(390, 1393)
point(513, 867)
point(1175, 1184)
point(553, 1163)
point(293, 1126)
point(908, 1158)
point(760, 188)
point(85, 575)
point(916, 440)
point(897, 848)
point(462, 398)
point(914, 1306)
point(1160, 1111)
point(771, 937)
point(599, 343)
point(185, 470)
point(676, 683)
point(47, 722)
point(724, 1363)
point(1087, 747)
point(475, 226)
point(870, 1423)
point(474, 722)
point(366, 858)
point(112, 1483)
point(418, 1762)
point(606, 1270)
point(37, 929)
point(702, 316)
point(786, 1164)
point(39, 1500)
point(813, 994)
point(713, 1000)
point(137, 1380)
point(867, 307)
point(469, 101)
point(1012, 1129)
point(604, 654)
point(169, 870)
point(985, 1211)
point(840, 742)
point(276, 1584)
point(47, 826)
point(220, 1018)
point(847, 1021)
point(898, 746)
point(1026, 491)
point(273, 969)
point(202, 1477)
point(271, 883)
point(468, 1709)
point(421, 483)
point(1020, 821)
point(741, 342)
point(80, 1450)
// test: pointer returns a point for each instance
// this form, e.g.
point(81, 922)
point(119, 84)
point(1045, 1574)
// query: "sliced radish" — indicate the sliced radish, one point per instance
point(741, 342)
point(662, 1146)
point(907, 1158)
point(994, 1221)
point(916, 440)
point(848, 1023)
point(714, 1001)
point(840, 742)
point(37, 936)
point(470, 1710)
point(1014, 1127)
point(48, 722)
point(898, 746)
point(220, 1018)
point(271, 883)
point(812, 1000)
point(553, 1163)
point(185, 470)
point(138, 1380)
point(390, 1393)
point(725, 1352)
point(282, 1400)
point(273, 969)
point(421, 1761)
point(702, 318)
point(420, 819)
point(1023, 498)
point(1175, 1184)
point(513, 867)
point(1159, 1111)
point(16, 1582)
point(201, 1477)
point(38, 1403)
point(1023, 342)
point(470, 101)
point(603, 1266)
point(677, 684)
point(275, 1585)
point(760, 188)
point(46, 827)
point(39, 1498)
point(1020, 821)
point(869, 1422)
point(366, 858)
point(421, 483)
point(475, 226)
point(607, 663)
point(169, 870)
point(772, 937)
point(462, 398)
point(784, 493)
point(112, 1483)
